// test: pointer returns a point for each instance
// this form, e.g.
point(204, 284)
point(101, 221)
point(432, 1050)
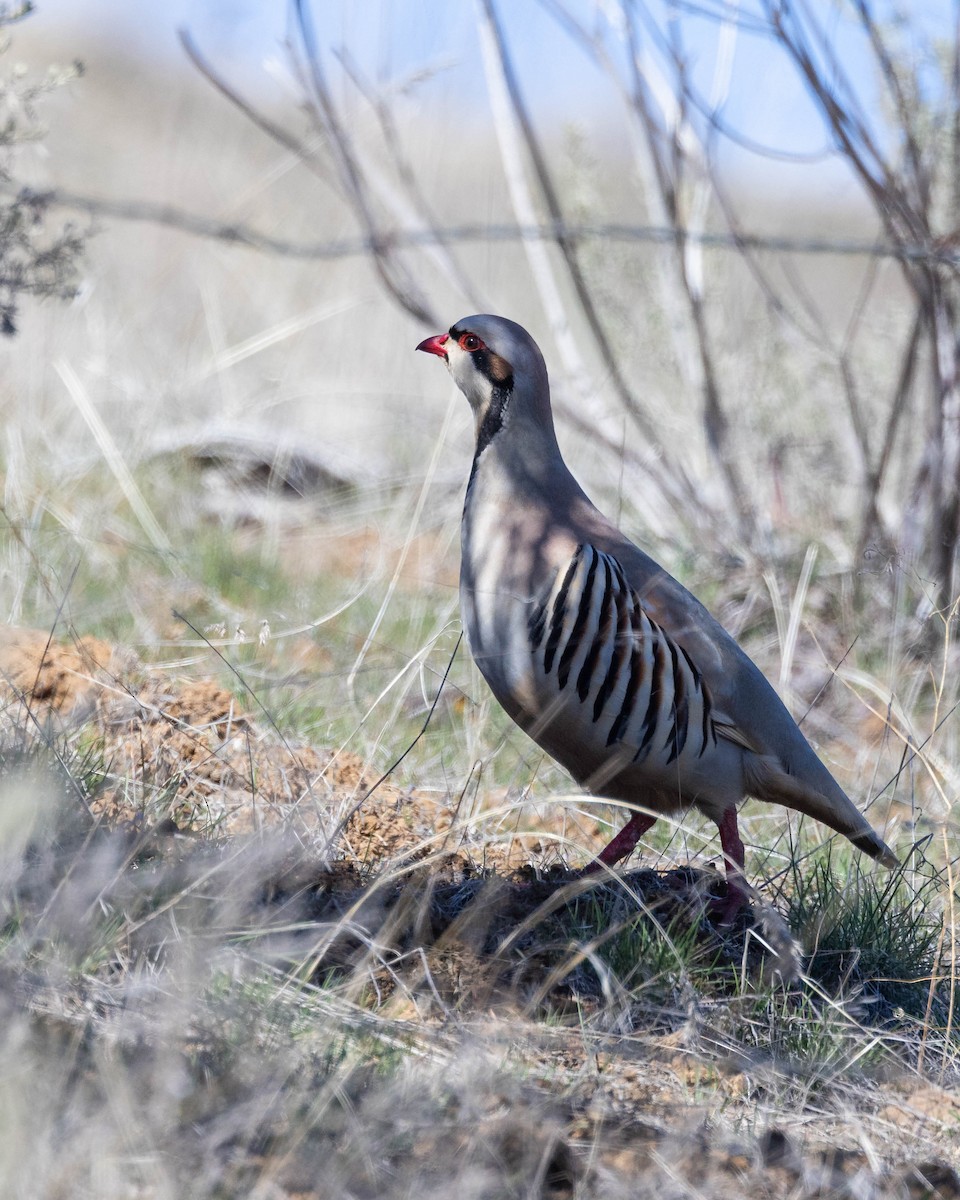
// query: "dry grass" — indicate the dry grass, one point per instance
point(293, 992)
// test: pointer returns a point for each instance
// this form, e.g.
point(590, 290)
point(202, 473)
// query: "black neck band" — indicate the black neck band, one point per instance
point(490, 426)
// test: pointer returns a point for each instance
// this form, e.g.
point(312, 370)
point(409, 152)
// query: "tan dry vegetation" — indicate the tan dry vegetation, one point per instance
point(191, 756)
point(669, 1104)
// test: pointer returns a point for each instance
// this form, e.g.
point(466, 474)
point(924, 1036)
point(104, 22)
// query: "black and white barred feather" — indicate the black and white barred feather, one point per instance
point(593, 644)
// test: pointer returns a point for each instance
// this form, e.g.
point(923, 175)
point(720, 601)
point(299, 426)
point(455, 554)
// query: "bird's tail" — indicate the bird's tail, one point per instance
point(767, 780)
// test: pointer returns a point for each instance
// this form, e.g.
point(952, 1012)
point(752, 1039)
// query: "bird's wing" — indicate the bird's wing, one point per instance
point(780, 765)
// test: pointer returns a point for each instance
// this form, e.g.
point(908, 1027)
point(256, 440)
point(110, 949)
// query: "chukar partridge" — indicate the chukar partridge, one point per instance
point(599, 654)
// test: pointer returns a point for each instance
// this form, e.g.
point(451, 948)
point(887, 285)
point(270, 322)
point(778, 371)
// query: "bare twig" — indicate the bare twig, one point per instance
point(393, 273)
point(673, 149)
point(902, 198)
point(278, 133)
point(513, 126)
point(418, 210)
point(566, 244)
point(937, 254)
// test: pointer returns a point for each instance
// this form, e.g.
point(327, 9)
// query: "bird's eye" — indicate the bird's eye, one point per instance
point(470, 342)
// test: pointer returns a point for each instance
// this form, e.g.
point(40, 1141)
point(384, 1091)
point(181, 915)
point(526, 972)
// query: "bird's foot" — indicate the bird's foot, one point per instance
point(725, 910)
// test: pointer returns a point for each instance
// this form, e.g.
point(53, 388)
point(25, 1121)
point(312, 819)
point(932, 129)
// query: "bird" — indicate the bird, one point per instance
point(604, 659)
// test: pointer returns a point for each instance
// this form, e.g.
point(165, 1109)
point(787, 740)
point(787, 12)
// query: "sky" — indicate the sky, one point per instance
point(394, 40)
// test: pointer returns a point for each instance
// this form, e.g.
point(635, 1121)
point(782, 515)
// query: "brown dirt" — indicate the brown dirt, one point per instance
point(45, 674)
point(186, 749)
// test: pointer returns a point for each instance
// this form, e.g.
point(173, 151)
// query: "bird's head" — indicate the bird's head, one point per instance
point(498, 367)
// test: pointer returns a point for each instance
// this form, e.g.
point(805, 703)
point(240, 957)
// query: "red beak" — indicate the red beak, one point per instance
point(435, 344)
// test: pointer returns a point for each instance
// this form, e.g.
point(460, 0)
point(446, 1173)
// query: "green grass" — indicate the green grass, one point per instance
point(876, 934)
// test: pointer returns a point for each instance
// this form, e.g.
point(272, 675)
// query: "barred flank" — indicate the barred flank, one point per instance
point(592, 640)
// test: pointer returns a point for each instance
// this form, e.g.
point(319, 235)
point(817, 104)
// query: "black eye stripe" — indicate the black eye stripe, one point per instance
point(494, 368)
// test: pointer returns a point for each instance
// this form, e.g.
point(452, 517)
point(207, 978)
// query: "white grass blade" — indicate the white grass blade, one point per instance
point(796, 614)
point(229, 357)
point(428, 478)
point(113, 458)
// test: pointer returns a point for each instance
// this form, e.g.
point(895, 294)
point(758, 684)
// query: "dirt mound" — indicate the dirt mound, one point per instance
point(188, 751)
point(46, 674)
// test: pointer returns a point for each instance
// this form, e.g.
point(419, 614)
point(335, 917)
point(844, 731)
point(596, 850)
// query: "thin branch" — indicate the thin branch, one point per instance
point(870, 518)
point(858, 418)
point(277, 132)
point(417, 203)
point(566, 245)
point(943, 253)
point(945, 530)
point(672, 146)
point(954, 157)
point(849, 130)
point(905, 113)
point(515, 133)
point(394, 275)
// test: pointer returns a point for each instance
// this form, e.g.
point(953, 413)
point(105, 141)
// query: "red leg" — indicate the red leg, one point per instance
point(733, 857)
point(623, 843)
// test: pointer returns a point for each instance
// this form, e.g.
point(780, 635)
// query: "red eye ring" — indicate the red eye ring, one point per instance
point(469, 342)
